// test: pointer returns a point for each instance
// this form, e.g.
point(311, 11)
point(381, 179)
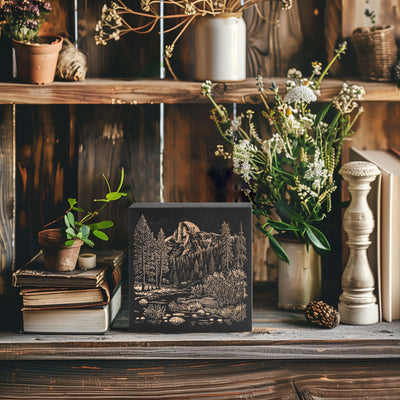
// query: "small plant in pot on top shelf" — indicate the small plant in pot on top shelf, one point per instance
point(36, 55)
point(61, 246)
point(376, 49)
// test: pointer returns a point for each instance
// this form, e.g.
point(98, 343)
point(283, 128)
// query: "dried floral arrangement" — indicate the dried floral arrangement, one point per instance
point(289, 175)
point(113, 23)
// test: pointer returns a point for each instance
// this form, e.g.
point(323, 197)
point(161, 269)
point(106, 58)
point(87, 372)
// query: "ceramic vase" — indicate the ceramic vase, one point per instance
point(57, 256)
point(300, 281)
point(219, 48)
point(37, 62)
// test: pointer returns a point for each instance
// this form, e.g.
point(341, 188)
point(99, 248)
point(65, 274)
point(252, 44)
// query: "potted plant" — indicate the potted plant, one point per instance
point(221, 23)
point(61, 246)
point(376, 50)
point(289, 175)
point(36, 56)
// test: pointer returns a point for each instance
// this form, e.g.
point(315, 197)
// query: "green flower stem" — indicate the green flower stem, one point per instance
point(338, 54)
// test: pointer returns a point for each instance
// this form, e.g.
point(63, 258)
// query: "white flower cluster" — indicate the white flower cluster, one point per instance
point(294, 73)
point(346, 102)
point(243, 152)
point(300, 94)
point(316, 172)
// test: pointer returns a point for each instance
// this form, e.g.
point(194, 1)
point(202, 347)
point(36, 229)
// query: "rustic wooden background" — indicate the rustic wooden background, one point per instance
point(61, 151)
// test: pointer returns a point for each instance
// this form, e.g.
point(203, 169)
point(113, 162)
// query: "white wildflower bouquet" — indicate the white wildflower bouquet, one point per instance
point(290, 173)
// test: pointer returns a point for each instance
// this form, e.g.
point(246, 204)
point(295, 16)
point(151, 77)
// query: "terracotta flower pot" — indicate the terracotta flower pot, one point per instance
point(37, 62)
point(57, 256)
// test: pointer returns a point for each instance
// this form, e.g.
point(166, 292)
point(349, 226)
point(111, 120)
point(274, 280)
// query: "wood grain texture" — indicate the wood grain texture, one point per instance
point(111, 138)
point(110, 91)
point(276, 335)
point(45, 172)
point(199, 380)
point(7, 196)
point(192, 172)
point(132, 56)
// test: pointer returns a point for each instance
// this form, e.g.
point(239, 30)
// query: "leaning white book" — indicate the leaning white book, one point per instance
point(388, 229)
point(72, 320)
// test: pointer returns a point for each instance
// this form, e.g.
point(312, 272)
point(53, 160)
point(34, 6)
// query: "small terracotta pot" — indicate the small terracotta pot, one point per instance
point(57, 256)
point(37, 62)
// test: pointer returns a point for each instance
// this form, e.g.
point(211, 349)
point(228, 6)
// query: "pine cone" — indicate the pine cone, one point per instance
point(321, 314)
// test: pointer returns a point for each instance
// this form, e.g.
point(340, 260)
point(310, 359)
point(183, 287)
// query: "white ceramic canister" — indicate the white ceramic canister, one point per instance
point(300, 281)
point(220, 48)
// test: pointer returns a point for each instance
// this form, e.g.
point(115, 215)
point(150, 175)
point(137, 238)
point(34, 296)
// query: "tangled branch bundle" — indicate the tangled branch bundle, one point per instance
point(113, 23)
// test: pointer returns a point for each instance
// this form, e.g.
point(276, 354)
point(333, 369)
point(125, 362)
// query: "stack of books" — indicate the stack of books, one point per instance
point(79, 301)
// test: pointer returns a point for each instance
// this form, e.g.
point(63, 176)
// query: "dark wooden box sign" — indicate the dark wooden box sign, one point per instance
point(190, 267)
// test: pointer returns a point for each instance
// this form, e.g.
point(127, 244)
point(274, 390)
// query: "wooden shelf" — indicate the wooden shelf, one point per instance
point(109, 91)
point(277, 335)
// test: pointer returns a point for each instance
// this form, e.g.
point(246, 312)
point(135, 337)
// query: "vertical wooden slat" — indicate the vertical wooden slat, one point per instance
point(272, 40)
point(134, 55)
point(111, 137)
point(192, 172)
point(45, 172)
point(7, 196)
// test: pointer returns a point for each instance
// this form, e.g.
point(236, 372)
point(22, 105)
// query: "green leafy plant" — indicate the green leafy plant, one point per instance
point(289, 173)
point(81, 229)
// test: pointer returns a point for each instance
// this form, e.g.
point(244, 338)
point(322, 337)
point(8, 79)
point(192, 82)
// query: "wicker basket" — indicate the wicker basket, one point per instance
point(376, 52)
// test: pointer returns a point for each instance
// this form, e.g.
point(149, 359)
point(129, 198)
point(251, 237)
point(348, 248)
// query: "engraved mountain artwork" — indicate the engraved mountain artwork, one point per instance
point(190, 267)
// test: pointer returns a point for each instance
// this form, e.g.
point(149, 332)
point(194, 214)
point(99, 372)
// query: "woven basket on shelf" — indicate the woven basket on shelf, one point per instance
point(376, 52)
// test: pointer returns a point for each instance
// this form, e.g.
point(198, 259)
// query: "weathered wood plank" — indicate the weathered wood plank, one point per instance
point(276, 335)
point(274, 39)
point(192, 172)
point(108, 91)
point(132, 56)
point(111, 138)
point(198, 380)
point(7, 196)
point(46, 172)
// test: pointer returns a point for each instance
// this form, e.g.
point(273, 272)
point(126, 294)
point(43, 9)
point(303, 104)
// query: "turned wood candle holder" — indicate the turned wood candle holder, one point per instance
point(357, 303)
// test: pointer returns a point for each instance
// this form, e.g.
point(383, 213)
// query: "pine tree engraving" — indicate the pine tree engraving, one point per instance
point(142, 251)
point(226, 247)
point(161, 252)
point(240, 250)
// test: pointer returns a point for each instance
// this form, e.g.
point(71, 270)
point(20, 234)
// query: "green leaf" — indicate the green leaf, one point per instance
point(71, 219)
point(113, 196)
point(66, 221)
point(287, 212)
point(88, 242)
point(70, 231)
point(72, 202)
point(101, 225)
point(85, 230)
point(317, 238)
point(282, 226)
point(78, 209)
point(276, 247)
point(101, 235)
point(69, 243)
point(321, 115)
